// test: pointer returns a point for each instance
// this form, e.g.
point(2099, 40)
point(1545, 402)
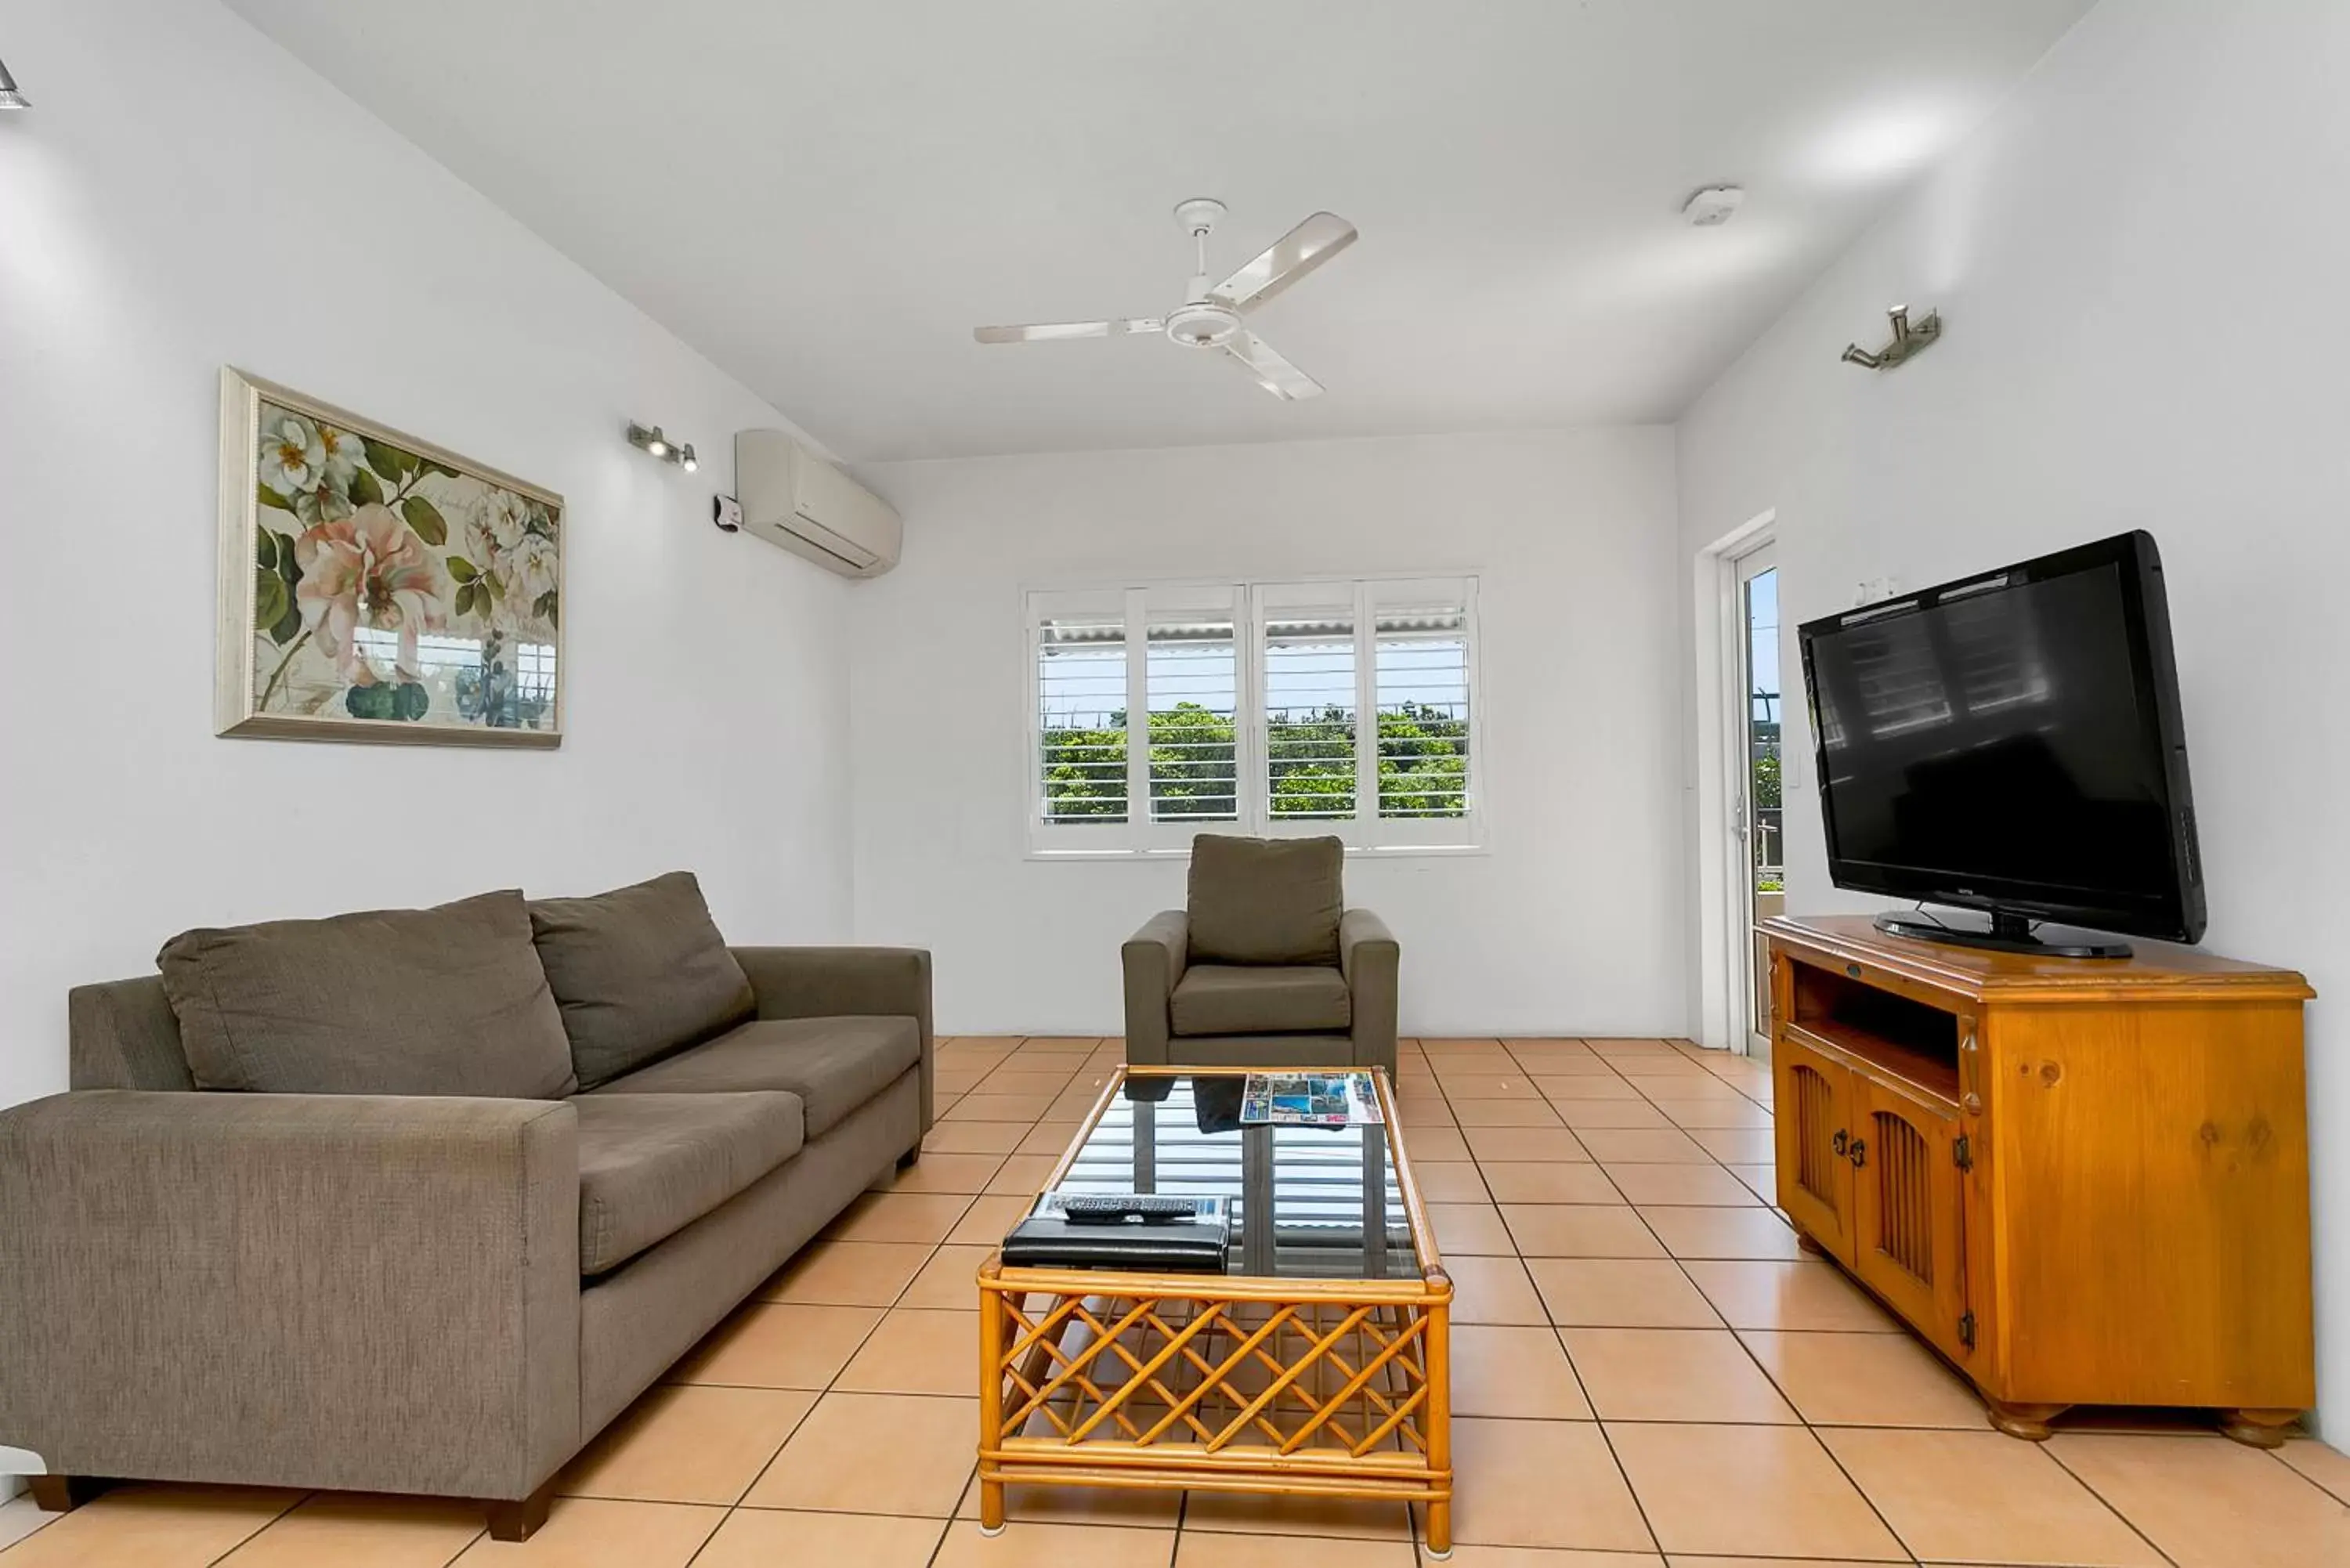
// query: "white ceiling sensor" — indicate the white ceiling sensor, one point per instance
point(1714, 207)
point(1210, 317)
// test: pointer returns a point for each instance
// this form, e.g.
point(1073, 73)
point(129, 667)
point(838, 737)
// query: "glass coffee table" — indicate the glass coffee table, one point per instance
point(1317, 1362)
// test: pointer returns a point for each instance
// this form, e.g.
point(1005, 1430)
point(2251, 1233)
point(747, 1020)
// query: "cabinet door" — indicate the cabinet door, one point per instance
point(1908, 1237)
point(1814, 1122)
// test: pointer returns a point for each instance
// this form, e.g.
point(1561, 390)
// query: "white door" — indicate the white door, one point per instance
point(1758, 880)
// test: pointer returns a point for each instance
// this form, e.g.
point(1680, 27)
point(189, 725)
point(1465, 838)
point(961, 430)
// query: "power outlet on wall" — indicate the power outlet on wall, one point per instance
point(1870, 590)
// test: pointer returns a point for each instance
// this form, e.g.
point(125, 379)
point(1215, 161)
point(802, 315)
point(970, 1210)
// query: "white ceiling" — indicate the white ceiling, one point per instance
point(827, 198)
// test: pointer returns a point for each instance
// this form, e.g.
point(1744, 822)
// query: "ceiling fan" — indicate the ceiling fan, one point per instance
point(1211, 317)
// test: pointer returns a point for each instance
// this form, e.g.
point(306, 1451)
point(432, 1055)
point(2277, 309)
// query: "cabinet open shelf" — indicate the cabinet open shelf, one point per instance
point(1922, 1071)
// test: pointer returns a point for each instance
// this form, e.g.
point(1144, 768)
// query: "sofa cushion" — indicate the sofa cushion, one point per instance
point(639, 972)
point(446, 1001)
point(1266, 900)
point(650, 1165)
point(833, 1064)
point(1260, 999)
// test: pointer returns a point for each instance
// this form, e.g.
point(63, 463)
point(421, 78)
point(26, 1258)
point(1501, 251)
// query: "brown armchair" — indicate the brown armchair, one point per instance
point(1264, 966)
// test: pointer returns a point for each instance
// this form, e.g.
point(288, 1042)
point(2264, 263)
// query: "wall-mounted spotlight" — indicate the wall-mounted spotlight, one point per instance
point(659, 445)
point(1909, 340)
point(9, 97)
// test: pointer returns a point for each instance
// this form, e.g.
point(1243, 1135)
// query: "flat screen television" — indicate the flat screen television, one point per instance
point(2010, 743)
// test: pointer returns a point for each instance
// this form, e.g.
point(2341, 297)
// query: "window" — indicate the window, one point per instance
point(1081, 715)
point(1193, 678)
point(1309, 713)
point(1296, 707)
point(1423, 710)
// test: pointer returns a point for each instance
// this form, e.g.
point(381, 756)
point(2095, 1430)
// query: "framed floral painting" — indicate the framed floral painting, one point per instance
point(376, 587)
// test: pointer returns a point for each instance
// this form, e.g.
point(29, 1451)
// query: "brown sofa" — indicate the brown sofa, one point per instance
point(1264, 966)
point(422, 1292)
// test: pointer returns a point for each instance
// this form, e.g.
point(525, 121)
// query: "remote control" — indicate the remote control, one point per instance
point(1111, 1209)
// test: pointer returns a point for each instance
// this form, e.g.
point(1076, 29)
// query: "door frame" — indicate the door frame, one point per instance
point(1723, 884)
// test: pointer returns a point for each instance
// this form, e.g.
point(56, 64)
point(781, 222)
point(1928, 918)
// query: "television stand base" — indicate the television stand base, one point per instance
point(2009, 933)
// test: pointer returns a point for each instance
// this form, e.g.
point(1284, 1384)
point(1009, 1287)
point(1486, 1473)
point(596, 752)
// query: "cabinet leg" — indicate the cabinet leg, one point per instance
point(2029, 1422)
point(63, 1494)
point(2258, 1429)
point(1810, 1243)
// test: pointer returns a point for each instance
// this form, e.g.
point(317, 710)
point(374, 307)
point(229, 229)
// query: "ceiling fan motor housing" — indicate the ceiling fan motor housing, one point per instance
point(1203, 323)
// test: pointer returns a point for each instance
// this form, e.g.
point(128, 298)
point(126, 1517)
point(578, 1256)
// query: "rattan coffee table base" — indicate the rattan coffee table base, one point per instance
point(1301, 1386)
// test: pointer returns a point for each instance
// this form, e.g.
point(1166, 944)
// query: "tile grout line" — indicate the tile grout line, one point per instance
point(2127, 1522)
point(1680, 1263)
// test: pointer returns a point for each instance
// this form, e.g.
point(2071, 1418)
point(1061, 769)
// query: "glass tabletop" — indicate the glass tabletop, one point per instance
point(1316, 1202)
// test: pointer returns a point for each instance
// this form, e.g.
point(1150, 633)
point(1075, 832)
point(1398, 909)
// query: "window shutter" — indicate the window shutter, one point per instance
point(1323, 706)
point(1081, 712)
point(1192, 682)
point(1422, 679)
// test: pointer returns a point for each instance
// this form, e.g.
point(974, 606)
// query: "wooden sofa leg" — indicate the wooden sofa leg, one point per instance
point(907, 1159)
point(63, 1494)
point(511, 1521)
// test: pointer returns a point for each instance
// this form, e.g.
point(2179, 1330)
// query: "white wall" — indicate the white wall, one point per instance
point(1573, 922)
point(2141, 261)
point(184, 195)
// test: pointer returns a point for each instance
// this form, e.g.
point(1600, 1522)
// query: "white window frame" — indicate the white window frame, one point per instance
point(1249, 600)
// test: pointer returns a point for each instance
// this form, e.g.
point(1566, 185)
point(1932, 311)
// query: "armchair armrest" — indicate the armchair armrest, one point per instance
point(1153, 958)
point(337, 1291)
point(1370, 959)
point(830, 983)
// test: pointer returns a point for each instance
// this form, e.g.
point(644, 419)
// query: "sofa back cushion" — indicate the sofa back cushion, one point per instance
point(639, 971)
point(1266, 900)
point(446, 1001)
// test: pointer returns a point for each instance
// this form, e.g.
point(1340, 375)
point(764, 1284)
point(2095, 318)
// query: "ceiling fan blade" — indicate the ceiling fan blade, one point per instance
point(1052, 331)
point(1289, 258)
point(1274, 373)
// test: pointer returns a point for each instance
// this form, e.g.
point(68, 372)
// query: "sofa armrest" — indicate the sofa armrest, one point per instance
point(1370, 958)
point(334, 1291)
point(830, 983)
point(1153, 958)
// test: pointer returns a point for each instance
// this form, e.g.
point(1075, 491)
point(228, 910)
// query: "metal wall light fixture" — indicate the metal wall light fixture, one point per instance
point(658, 445)
point(1909, 340)
point(9, 97)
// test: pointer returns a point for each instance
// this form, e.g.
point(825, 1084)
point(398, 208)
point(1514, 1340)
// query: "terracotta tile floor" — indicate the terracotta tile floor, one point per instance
point(1648, 1375)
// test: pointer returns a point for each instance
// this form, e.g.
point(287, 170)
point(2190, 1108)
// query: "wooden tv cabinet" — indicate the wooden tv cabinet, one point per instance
point(2083, 1181)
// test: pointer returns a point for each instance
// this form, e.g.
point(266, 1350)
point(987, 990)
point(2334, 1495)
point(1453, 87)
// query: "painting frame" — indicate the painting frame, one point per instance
point(238, 710)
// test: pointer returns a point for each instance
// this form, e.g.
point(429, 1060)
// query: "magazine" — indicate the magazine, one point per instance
point(1309, 1100)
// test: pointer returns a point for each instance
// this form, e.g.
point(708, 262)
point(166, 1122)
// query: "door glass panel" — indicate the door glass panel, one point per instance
point(1767, 893)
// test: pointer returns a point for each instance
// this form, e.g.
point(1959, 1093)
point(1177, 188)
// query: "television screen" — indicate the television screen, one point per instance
point(2013, 742)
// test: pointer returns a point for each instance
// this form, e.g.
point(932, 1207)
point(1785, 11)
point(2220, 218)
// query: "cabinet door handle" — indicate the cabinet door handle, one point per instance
point(1837, 1143)
point(1859, 1153)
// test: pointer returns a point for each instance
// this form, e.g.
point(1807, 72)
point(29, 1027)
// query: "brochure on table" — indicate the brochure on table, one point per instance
point(1309, 1100)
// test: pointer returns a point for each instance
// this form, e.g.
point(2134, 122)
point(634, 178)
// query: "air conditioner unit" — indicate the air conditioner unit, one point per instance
point(794, 498)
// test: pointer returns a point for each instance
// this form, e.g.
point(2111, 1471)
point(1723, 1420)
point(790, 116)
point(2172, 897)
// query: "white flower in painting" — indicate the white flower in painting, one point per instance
point(501, 515)
point(329, 502)
point(343, 456)
point(530, 569)
point(293, 458)
point(481, 545)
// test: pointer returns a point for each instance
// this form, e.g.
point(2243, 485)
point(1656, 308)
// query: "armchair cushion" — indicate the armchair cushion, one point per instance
point(446, 1001)
point(1266, 900)
point(833, 1064)
point(1261, 999)
point(639, 972)
point(650, 1165)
